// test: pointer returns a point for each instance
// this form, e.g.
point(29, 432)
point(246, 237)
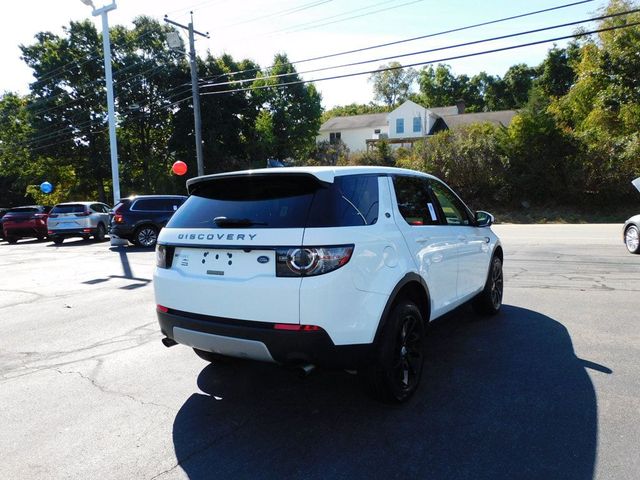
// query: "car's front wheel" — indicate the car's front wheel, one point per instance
point(395, 374)
point(489, 300)
point(12, 240)
point(146, 236)
point(632, 239)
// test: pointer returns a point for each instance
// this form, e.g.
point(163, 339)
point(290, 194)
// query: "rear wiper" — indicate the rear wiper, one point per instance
point(236, 222)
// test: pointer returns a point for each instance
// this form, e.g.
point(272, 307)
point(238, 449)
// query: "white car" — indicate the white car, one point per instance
point(335, 267)
point(78, 219)
point(631, 228)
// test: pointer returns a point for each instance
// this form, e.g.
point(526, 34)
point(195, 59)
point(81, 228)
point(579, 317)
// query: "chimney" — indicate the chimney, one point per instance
point(460, 105)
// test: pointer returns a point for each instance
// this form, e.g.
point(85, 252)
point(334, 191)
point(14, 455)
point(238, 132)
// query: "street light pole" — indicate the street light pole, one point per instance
point(194, 88)
point(106, 46)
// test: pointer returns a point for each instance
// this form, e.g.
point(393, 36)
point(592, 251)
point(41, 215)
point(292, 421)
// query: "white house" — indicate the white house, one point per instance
point(403, 126)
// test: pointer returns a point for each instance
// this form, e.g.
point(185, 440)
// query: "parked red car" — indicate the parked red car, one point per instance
point(25, 222)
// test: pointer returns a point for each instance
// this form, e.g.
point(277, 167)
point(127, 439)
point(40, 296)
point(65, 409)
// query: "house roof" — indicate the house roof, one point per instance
point(355, 121)
point(502, 117)
point(442, 111)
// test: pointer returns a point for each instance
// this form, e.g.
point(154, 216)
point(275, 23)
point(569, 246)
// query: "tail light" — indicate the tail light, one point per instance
point(86, 213)
point(311, 261)
point(164, 256)
point(117, 218)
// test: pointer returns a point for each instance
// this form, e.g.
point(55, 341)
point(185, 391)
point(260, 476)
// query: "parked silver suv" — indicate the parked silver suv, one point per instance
point(78, 219)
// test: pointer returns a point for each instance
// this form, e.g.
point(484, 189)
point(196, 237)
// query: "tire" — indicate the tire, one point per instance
point(489, 301)
point(632, 239)
point(214, 358)
point(12, 240)
point(100, 233)
point(395, 373)
point(146, 236)
point(58, 240)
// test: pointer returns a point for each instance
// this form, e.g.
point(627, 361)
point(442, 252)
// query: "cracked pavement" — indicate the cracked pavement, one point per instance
point(548, 389)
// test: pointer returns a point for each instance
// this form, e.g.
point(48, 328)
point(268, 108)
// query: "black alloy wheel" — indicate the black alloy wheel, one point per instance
point(395, 374)
point(146, 236)
point(489, 300)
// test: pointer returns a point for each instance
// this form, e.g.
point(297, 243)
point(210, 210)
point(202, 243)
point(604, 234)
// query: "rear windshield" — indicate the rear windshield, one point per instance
point(282, 201)
point(77, 208)
point(23, 210)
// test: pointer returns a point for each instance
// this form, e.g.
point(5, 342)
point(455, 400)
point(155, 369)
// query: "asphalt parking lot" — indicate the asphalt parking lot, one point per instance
point(550, 388)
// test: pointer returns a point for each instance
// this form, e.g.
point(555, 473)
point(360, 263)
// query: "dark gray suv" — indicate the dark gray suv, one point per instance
point(139, 219)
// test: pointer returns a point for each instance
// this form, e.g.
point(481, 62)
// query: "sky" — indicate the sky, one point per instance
point(303, 29)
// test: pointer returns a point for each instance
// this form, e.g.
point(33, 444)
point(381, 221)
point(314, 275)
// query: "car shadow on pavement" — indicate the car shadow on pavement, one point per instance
point(501, 398)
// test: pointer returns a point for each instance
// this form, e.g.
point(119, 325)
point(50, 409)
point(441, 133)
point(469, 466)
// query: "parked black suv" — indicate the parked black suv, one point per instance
point(139, 219)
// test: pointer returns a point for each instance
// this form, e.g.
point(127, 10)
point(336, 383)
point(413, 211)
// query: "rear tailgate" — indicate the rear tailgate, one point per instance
point(230, 277)
point(68, 217)
point(223, 242)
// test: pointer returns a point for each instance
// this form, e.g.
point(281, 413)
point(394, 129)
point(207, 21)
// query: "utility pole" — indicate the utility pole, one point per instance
point(194, 87)
point(106, 46)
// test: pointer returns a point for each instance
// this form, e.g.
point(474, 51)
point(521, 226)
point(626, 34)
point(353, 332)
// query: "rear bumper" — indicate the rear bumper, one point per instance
point(259, 341)
point(121, 231)
point(24, 231)
point(72, 232)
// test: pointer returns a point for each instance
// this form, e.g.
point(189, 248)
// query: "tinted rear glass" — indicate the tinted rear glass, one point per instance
point(77, 208)
point(282, 201)
point(24, 210)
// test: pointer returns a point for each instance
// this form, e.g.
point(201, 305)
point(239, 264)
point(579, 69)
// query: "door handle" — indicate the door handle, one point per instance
point(422, 239)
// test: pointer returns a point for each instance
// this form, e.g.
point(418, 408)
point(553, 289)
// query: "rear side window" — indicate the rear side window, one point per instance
point(68, 209)
point(156, 205)
point(280, 201)
point(352, 200)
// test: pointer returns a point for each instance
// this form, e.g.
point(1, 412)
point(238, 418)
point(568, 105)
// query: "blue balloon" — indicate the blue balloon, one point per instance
point(46, 187)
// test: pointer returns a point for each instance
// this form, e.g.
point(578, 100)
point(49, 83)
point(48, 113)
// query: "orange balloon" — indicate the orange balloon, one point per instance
point(179, 167)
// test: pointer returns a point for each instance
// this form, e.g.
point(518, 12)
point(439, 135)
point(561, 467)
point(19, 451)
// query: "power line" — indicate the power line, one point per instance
point(431, 50)
point(281, 13)
point(62, 130)
point(429, 62)
point(316, 24)
point(421, 37)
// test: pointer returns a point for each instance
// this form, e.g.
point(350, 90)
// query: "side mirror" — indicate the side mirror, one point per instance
point(484, 219)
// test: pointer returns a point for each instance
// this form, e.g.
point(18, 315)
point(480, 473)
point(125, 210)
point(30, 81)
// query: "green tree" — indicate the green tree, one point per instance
point(392, 86)
point(15, 156)
point(354, 109)
point(68, 104)
point(149, 78)
point(294, 108)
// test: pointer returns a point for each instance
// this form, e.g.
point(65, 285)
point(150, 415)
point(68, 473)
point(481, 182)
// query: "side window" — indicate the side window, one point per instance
point(146, 205)
point(454, 211)
point(352, 200)
point(399, 125)
point(417, 124)
point(96, 207)
point(171, 204)
point(414, 201)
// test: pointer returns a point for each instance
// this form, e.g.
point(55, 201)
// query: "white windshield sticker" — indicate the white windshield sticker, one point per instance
point(432, 211)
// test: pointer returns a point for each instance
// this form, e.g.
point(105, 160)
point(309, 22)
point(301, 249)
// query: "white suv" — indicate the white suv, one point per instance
point(336, 267)
point(78, 219)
